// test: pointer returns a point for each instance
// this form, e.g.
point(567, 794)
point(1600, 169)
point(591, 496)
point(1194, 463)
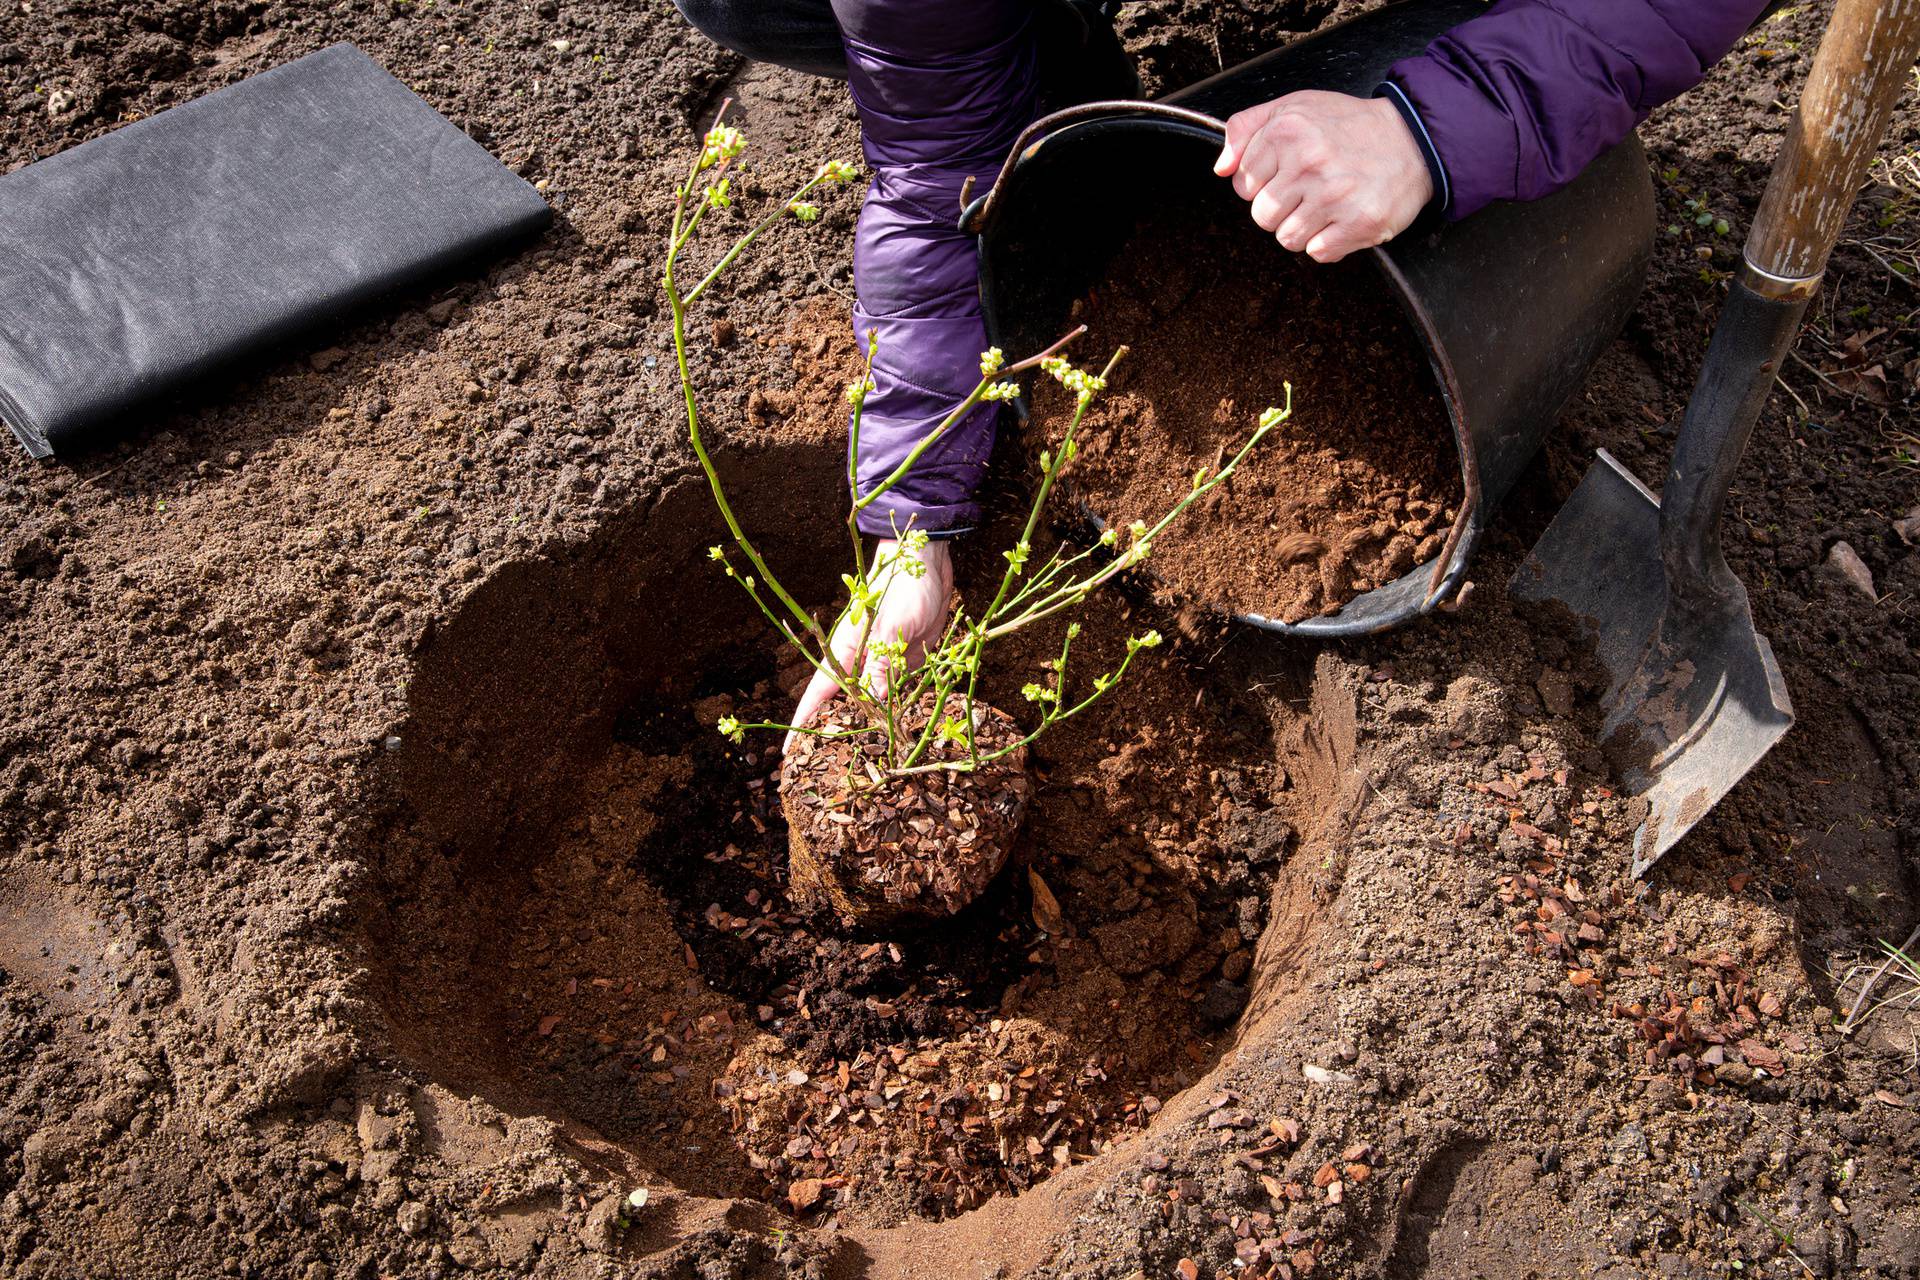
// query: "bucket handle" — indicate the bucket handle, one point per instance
point(1035, 133)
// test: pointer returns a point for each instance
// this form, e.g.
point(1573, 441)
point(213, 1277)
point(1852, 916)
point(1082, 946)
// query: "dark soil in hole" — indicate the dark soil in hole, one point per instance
point(1358, 488)
point(586, 915)
point(925, 1067)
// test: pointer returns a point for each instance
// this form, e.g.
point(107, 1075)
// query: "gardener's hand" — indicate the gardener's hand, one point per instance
point(1327, 174)
point(913, 609)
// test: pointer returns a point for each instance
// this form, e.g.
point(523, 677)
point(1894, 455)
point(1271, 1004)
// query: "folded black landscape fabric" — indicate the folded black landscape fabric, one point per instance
point(147, 258)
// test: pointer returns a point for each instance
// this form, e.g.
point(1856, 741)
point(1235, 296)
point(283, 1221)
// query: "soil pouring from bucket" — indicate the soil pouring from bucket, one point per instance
point(877, 851)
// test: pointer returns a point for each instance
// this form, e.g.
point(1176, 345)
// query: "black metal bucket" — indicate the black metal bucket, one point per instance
point(1512, 304)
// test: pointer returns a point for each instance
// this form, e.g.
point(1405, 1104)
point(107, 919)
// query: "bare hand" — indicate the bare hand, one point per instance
point(913, 609)
point(1328, 174)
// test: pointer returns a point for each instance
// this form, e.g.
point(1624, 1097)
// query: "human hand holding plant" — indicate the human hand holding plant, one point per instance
point(916, 588)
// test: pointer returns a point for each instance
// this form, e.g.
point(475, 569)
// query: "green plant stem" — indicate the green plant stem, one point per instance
point(853, 461)
point(791, 728)
point(1058, 462)
point(726, 259)
point(862, 502)
point(678, 307)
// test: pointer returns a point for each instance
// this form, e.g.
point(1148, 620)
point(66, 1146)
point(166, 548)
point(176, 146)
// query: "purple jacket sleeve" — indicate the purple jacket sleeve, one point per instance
point(942, 91)
point(1517, 101)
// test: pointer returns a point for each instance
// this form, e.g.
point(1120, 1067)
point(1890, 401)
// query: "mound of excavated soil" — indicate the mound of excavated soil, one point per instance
point(1357, 488)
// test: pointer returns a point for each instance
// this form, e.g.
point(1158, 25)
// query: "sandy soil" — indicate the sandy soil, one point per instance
point(348, 916)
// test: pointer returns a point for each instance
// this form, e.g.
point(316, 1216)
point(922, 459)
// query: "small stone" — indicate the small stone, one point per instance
point(1556, 692)
point(1476, 709)
point(1628, 1146)
point(1907, 528)
point(724, 333)
point(1737, 1074)
point(599, 1230)
point(1844, 564)
point(412, 1218)
point(1316, 1074)
point(442, 311)
point(326, 358)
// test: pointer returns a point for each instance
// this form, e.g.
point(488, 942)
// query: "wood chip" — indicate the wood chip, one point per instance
point(1047, 916)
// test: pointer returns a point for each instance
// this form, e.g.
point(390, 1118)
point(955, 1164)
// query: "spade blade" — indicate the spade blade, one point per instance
point(1692, 706)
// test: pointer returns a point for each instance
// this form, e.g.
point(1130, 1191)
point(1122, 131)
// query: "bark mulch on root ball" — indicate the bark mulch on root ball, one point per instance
point(878, 850)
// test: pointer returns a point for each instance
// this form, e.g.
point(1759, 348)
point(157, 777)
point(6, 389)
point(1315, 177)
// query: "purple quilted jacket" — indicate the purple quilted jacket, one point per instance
point(1509, 106)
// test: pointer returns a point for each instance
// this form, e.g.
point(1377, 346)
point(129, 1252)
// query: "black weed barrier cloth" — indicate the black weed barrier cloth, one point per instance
point(146, 259)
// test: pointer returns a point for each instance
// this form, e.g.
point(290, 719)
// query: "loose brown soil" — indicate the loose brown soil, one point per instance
point(366, 898)
point(1356, 489)
point(921, 846)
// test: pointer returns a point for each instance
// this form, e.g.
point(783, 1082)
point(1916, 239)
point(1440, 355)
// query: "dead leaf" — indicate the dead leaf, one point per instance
point(1047, 916)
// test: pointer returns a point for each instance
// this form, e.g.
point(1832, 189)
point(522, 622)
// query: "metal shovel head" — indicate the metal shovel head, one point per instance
point(1691, 707)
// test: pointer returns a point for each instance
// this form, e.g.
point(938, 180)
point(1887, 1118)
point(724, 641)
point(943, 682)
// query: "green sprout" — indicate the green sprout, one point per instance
point(1031, 590)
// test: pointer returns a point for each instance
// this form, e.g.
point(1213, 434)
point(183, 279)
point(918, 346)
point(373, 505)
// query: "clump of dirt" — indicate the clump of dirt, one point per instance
point(876, 849)
point(1356, 489)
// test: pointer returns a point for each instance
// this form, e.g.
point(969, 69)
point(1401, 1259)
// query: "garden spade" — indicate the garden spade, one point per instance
point(1695, 696)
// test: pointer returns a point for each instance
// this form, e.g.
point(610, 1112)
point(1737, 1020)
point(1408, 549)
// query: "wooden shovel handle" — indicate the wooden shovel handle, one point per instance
point(1862, 64)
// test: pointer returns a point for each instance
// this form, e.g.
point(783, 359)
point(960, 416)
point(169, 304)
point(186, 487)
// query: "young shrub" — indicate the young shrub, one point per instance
point(904, 796)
